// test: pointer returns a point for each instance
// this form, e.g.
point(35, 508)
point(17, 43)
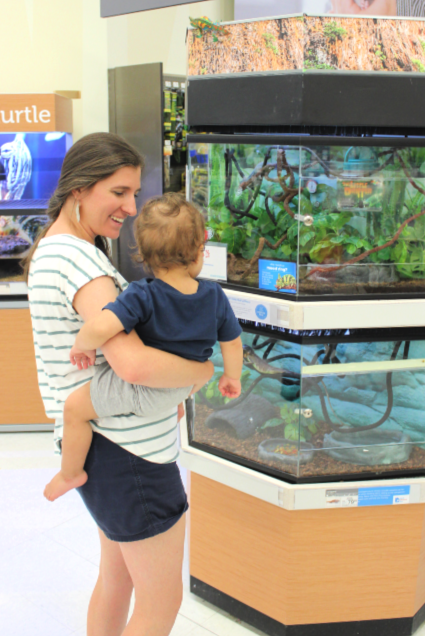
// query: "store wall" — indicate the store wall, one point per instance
point(159, 36)
point(50, 45)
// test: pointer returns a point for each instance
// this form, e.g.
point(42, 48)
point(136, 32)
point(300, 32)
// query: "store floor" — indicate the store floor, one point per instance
point(49, 553)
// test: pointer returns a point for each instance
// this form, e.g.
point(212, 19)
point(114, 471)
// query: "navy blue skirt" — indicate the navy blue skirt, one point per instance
point(128, 497)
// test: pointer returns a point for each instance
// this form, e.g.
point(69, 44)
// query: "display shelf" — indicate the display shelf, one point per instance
point(28, 207)
point(337, 314)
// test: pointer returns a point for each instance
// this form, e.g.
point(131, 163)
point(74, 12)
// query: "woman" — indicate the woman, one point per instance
point(401, 8)
point(134, 491)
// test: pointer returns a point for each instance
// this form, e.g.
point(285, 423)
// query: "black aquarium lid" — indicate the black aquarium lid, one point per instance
point(274, 101)
point(320, 336)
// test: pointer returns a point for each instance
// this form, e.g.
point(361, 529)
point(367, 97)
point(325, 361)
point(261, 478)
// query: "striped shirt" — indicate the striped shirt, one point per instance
point(61, 265)
point(411, 8)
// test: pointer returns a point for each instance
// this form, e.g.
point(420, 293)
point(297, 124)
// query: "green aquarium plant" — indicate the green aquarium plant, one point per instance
point(296, 428)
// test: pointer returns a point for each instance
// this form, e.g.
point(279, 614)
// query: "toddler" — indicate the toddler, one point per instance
point(173, 312)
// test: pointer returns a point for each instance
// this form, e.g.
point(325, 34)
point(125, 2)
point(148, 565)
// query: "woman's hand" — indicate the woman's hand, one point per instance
point(180, 411)
point(83, 359)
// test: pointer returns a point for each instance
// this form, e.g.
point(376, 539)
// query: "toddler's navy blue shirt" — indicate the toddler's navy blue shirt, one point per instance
point(186, 325)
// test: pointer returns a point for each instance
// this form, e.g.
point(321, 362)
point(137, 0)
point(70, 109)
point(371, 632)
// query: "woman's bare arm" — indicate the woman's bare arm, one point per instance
point(131, 360)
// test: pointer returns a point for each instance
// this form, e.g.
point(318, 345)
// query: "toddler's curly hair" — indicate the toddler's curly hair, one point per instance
point(169, 232)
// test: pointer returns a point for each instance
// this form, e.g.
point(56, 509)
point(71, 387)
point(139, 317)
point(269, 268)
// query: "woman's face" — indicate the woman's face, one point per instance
point(104, 208)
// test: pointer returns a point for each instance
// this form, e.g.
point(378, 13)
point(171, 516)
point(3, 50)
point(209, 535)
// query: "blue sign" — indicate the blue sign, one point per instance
point(277, 276)
point(261, 312)
point(384, 496)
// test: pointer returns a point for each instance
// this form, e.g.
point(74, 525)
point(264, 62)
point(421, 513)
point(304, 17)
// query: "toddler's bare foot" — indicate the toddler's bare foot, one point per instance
point(59, 485)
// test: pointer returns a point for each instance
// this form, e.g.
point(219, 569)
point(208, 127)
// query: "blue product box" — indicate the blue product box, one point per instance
point(277, 276)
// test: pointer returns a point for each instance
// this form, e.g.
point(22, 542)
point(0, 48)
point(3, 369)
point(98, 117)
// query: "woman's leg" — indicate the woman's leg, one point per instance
point(155, 566)
point(110, 601)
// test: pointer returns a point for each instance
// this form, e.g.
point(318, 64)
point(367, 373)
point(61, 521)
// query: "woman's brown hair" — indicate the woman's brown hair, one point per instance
point(91, 159)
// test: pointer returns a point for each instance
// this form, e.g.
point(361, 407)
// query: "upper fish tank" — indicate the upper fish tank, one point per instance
point(30, 165)
point(319, 406)
point(313, 217)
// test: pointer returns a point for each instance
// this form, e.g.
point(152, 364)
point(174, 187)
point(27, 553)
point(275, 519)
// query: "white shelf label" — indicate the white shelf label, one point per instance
point(361, 497)
point(215, 262)
point(254, 309)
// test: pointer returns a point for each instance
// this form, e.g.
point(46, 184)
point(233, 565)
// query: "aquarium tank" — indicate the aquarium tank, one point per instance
point(319, 406)
point(314, 217)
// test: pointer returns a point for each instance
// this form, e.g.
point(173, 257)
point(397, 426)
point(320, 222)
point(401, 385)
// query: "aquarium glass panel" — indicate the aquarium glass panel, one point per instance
point(312, 412)
point(263, 425)
point(313, 220)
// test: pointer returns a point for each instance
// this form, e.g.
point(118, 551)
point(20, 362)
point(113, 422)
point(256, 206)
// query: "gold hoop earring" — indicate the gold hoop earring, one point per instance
point(77, 212)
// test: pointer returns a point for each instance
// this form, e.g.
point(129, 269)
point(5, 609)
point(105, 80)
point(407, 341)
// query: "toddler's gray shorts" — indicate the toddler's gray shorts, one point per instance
point(112, 396)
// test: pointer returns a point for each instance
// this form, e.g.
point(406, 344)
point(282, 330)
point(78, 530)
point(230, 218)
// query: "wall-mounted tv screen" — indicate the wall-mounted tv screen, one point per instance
point(30, 165)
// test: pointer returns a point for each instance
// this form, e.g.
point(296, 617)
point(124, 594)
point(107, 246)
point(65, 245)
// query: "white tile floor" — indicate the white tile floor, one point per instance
point(49, 554)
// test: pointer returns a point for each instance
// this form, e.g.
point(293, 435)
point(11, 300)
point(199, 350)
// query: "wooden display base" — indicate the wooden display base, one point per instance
point(20, 400)
point(356, 572)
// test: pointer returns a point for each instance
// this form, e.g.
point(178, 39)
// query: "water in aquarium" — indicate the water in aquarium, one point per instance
point(311, 220)
point(333, 408)
point(30, 165)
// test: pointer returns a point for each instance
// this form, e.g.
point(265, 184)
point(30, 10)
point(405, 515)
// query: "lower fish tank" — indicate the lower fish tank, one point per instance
point(319, 406)
point(314, 217)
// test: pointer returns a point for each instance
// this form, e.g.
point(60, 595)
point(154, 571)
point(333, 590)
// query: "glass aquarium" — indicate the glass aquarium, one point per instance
point(310, 217)
point(320, 406)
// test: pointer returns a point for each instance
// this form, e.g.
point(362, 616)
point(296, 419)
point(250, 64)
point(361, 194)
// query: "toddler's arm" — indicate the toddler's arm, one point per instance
point(93, 334)
point(230, 383)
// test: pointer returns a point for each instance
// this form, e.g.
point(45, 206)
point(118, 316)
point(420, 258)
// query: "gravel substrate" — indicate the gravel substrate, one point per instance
point(321, 465)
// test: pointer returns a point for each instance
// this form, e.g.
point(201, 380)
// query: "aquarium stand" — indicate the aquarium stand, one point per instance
point(274, 101)
point(241, 611)
point(350, 571)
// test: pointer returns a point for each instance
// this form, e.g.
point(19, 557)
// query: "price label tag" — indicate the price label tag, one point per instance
point(253, 309)
point(215, 261)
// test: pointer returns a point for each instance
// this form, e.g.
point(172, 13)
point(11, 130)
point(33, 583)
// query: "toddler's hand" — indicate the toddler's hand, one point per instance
point(83, 359)
point(228, 387)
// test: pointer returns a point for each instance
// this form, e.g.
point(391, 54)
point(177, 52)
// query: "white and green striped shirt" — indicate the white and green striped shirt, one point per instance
point(61, 265)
